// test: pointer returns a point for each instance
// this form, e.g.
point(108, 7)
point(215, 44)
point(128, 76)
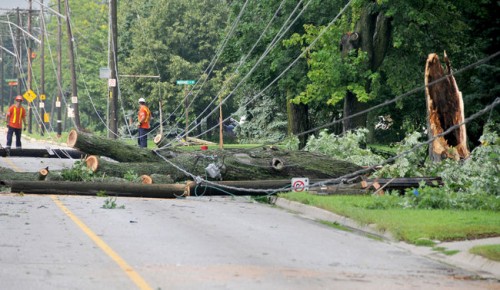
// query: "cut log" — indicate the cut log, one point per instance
point(42, 173)
point(160, 141)
point(445, 109)
point(8, 174)
point(146, 179)
point(42, 153)
point(92, 188)
point(119, 169)
point(114, 149)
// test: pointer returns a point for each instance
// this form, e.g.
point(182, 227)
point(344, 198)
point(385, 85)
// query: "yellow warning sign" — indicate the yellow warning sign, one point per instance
point(46, 117)
point(42, 97)
point(29, 95)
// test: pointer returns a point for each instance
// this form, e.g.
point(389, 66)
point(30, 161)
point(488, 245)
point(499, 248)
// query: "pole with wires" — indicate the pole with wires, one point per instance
point(113, 88)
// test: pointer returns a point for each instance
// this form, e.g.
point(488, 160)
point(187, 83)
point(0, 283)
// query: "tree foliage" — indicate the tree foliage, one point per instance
point(255, 54)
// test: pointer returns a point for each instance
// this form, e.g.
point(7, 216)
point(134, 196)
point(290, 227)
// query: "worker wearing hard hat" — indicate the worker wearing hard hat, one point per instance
point(143, 118)
point(16, 118)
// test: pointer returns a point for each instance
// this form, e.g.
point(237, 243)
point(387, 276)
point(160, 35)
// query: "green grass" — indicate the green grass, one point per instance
point(415, 226)
point(51, 136)
point(445, 251)
point(491, 252)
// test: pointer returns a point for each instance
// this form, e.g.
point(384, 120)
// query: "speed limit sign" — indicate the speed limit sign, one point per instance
point(300, 184)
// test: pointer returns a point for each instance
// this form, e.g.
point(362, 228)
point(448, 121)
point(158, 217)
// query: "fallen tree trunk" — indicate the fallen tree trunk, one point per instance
point(445, 109)
point(261, 164)
point(8, 174)
point(93, 188)
point(42, 153)
point(114, 149)
point(191, 188)
point(119, 169)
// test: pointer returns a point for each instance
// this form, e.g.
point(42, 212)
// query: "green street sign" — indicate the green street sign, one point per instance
point(185, 82)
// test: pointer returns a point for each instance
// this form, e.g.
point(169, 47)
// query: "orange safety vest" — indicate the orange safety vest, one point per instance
point(145, 115)
point(16, 116)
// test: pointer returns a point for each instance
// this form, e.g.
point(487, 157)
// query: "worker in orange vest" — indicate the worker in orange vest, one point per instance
point(15, 115)
point(143, 117)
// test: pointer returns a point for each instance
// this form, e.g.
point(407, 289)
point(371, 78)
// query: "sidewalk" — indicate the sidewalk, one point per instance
point(473, 263)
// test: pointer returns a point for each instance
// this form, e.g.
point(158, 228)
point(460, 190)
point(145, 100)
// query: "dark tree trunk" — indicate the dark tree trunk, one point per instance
point(298, 120)
point(372, 35)
point(352, 106)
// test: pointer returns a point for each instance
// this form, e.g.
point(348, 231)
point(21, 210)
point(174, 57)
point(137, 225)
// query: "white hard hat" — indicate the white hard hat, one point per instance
point(141, 100)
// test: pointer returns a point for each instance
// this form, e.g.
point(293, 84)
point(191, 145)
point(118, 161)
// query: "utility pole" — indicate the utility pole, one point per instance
point(221, 131)
point(112, 60)
point(42, 71)
point(30, 81)
point(2, 85)
point(59, 72)
point(74, 89)
point(19, 53)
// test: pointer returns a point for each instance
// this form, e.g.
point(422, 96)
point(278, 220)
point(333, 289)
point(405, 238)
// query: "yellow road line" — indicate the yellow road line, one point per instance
point(12, 165)
point(133, 275)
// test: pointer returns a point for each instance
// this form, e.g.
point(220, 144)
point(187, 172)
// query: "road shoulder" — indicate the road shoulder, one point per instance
point(484, 268)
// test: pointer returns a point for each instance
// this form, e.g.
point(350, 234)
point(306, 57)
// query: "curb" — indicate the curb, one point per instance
point(482, 267)
point(324, 215)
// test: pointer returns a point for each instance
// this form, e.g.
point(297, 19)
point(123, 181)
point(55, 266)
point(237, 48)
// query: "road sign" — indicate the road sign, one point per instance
point(29, 95)
point(104, 73)
point(42, 97)
point(300, 184)
point(185, 82)
point(12, 84)
point(112, 83)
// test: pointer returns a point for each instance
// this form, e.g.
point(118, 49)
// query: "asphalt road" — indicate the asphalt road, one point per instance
point(72, 242)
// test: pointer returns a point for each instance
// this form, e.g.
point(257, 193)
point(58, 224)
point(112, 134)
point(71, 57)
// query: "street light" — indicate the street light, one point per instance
point(52, 10)
point(20, 28)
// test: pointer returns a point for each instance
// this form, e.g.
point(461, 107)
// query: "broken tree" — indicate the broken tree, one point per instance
point(257, 164)
point(445, 109)
point(119, 151)
point(240, 164)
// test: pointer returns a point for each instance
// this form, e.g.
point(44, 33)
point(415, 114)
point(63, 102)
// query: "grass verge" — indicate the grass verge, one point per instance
point(491, 252)
point(409, 225)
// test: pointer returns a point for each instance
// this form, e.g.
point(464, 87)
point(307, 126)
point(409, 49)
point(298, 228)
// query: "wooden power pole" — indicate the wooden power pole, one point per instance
point(59, 72)
point(42, 71)
point(74, 89)
point(113, 65)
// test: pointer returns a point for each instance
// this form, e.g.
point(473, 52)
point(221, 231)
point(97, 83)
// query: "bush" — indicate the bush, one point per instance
point(467, 184)
point(346, 148)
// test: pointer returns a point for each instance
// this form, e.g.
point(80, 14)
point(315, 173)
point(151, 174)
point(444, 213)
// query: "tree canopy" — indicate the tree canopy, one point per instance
point(279, 63)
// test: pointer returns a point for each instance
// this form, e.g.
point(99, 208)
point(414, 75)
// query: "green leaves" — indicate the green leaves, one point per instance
point(347, 147)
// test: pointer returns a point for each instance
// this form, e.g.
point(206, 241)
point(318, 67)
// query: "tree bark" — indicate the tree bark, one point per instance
point(42, 153)
point(372, 35)
point(445, 109)
point(259, 164)
point(7, 174)
point(93, 188)
point(298, 120)
point(114, 149)
point(120, 169)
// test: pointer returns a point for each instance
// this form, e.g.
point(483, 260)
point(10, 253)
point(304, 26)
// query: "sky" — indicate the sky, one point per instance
point(12, 4)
